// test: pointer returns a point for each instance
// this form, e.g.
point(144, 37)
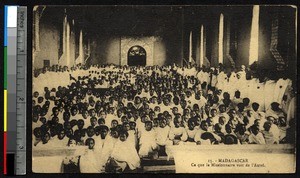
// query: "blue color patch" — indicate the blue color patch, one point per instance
point(5, 25)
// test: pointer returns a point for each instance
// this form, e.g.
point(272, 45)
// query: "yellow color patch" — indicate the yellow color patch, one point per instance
point(5, 110)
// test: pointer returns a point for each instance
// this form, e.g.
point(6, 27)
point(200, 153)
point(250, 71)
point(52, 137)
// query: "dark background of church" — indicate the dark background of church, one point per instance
point(31, 3)
point(106, 30)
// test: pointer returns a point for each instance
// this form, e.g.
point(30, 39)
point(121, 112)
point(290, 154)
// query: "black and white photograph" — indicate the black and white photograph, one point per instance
point(164, 89)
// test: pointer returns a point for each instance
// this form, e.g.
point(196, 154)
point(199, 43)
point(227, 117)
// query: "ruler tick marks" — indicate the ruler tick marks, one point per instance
point(21, 62)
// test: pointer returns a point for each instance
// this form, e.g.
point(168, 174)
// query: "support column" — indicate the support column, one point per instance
point(221, 38)
point(201, 46)
point(80, 48)
point(253, 52)
point(62, 59)
point(67, 51)
point(227, 45)
point(72, 44)
point(191, 47)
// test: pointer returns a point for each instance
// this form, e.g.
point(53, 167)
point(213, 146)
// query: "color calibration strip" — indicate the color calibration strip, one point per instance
point(5, 93)
point(12, 43)
point(10, 55)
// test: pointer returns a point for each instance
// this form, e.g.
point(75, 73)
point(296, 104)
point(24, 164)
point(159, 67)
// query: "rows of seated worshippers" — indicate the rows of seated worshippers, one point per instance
point(122, 114)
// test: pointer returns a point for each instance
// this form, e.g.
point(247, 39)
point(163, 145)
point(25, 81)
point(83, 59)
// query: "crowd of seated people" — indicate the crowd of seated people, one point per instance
point(125, 113)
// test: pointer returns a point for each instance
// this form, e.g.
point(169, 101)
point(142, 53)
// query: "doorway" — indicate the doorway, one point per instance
point(136, 56)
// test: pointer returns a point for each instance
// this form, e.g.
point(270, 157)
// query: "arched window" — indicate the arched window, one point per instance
point(136, 56)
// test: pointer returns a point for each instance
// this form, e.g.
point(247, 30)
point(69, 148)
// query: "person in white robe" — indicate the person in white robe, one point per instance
point(269, 93)
point(275, 111)
point(200, 76)
point(191, 131)
point(108, 146)
point(256, 137)
point(88, 162)
point(274, 128)
point(236, 99)
point(177, 132)
point(147, 142)
point(222, 112)
point(132, 133)
point(242, 85)
point(256, 94)
point(252, 87)
point(59, 140)
point(162, 133)
point(213, 116)
point(37, 132)
point(282, 126)
point(268, 135)
point(124, 154)
point(204, 129)
point(282, 85)
point(222, 79)
point(100, 140)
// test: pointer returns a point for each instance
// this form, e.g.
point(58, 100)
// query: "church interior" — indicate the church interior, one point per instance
point(205, 35)
point(160, 77)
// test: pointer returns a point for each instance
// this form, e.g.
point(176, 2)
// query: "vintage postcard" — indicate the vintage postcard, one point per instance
point(164, 89)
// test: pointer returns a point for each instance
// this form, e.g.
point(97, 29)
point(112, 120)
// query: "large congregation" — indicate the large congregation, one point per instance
point(122, 114)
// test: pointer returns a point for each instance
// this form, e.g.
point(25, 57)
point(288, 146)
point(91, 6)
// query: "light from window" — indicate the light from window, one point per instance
point(191, 47)
point(68, 31)
point(253, 52)
point(221, 37)
point(201, 45)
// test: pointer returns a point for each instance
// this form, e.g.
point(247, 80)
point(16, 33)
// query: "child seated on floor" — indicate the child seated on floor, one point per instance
point(256, 137)
point(210, 124)
point(147, 142)
point(108, 145)
point(203, 129)
point(88, 162)
point(242, 133)
point(177, 132)
point(99, 140)
point(218, 131)
point(282, 126)
point(230, 137)
point(191, 130)
point(205, 139)
point(162, 136)
point(268, 135)
point(274, 128)
point(123, 157)
point(132, 135)
point(37, 135)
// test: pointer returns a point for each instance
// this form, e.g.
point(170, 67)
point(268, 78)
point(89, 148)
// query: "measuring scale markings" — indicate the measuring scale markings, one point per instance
point(21, 92)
